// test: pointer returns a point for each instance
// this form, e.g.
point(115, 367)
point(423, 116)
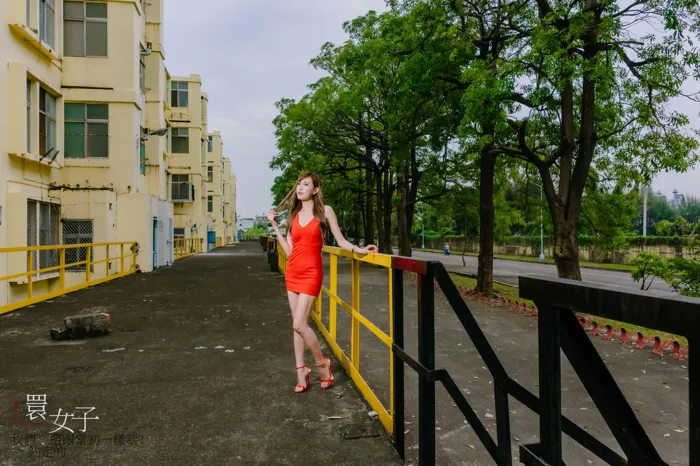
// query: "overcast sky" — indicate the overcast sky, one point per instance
point(250, 54)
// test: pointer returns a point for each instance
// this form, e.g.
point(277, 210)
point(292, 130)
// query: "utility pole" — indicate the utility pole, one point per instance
point(644, 227)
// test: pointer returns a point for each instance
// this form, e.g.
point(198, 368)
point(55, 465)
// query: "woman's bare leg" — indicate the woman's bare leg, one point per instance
point(299, 345)
point(305, 304)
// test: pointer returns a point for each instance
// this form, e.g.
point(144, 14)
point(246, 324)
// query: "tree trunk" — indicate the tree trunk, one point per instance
point(369, 225)
point(402, 227)
point(380, 213)
point(484, 277)
point(388, 195)
point(566, 248)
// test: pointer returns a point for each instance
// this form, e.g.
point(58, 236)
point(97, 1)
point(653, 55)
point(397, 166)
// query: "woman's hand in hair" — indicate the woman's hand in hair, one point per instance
point(272, 217)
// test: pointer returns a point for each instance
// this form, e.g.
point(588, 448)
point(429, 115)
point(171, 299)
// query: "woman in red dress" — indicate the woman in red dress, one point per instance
point(307, 224)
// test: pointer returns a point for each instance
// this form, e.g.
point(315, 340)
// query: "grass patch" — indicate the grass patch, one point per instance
point(511, 292)
point(618, 267)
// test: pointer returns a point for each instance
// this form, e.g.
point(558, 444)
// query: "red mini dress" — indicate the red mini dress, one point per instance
point(304, 272)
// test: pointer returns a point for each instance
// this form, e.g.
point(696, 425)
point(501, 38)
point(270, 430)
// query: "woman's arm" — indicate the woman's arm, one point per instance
point(286, 245)
point(342, 242)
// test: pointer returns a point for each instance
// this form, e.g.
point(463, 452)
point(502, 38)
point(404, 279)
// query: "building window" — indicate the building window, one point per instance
point(47, 122)
point(29, 116)
point(87, 130)
point(142, 153)
point(178, 233)
point(84, 29)
point(47, 21)
point(77, 232)
point(28, 19)
point(42, 230)
point(210, 144)
point(210, 204)
point(181, 140)
point(181, 188)
point(179, 94)
point(210, 174)
point(142, 70)
point(167, 139)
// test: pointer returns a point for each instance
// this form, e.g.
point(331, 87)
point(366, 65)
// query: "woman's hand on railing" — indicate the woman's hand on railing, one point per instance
point(366, 250)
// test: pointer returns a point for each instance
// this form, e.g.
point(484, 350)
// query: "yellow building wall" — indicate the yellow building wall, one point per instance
point(23, 173)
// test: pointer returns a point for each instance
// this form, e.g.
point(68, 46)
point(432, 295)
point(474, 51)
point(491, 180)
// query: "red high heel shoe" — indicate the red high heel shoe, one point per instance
point(301, 388)
point(326, 383)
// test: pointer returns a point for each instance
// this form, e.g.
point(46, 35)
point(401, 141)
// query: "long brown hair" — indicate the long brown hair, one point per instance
point(292, 203)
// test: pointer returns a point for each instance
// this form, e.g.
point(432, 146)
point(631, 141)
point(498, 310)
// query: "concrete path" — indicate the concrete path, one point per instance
point(198, 370)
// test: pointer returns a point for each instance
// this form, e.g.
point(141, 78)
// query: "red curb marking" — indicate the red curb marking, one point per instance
point(611, 333)
point(642, 341)
point(598, 328)
point(661, 348)
point(681, 355)
point(624, 337)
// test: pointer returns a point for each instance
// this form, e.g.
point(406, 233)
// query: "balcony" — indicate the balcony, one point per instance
point(33, 39)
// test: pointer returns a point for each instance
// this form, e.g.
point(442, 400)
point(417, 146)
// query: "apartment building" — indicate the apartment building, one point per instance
point(230, 230)
point(101, 143)
point(188, 157)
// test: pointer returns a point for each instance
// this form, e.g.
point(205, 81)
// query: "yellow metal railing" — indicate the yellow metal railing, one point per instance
point(65, 277)
point(183, 247)
point(351, 363)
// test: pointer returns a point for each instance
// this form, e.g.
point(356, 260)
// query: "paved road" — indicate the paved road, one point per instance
point(507, 271)
point(198, 369)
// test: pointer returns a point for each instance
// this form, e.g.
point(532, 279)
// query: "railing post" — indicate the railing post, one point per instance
point(355, 323)
point(62, 270)
point(333, 308)
point(30, 268)
point(87, 264)
point(107, 261)
point(426, 356)
point(694, 399)
point(549, 341)
point(121, 258)
point(397, 406)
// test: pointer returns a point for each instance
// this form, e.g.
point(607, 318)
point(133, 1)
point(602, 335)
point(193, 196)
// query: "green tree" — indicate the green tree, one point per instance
point(648, 266)
point(594, 93)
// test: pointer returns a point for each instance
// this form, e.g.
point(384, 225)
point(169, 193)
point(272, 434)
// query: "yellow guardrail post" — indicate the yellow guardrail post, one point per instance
point(355, 332)
point(87, 264)
point(55, 273)
point(30, 268)
point(333, 308)
point(62, 270)
point(391, 337)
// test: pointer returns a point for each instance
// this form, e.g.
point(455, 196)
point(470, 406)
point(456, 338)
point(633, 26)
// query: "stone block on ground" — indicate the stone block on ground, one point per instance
point(83, 326)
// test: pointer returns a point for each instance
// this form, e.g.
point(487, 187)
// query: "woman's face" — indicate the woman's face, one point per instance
point(305, 189)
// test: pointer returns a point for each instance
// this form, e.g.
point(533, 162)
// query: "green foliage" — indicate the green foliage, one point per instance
point(682, 274)
point(255, 232)
point(648, 265)
point(415, 97)
point(664, 228)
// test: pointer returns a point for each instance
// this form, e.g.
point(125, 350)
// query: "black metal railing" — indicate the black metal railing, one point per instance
point(558, 328)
